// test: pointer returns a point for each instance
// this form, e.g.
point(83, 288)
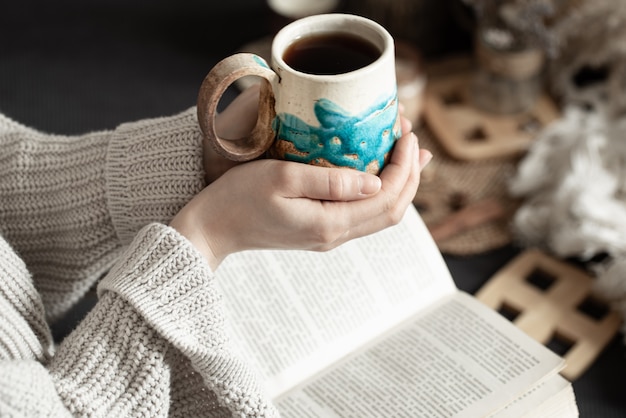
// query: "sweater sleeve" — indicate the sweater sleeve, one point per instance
point(154, 345)
point(69, 204)
point(172, 287)
point(153, 168)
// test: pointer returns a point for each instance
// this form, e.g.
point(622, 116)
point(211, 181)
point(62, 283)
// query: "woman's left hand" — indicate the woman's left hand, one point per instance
point(236, 121)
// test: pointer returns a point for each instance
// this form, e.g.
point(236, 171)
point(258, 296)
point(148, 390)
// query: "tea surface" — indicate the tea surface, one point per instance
point(328, 54)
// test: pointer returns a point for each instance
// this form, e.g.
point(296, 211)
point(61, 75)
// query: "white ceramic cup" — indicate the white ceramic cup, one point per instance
point(349, 119)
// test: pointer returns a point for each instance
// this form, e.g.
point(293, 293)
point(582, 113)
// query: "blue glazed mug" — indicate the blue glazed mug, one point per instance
point(329, 97)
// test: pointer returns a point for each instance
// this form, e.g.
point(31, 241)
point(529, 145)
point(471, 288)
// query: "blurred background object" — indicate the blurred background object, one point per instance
point(295, 9)
point(411, 79)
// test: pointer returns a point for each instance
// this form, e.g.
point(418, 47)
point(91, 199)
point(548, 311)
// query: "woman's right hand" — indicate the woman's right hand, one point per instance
point(272, 204)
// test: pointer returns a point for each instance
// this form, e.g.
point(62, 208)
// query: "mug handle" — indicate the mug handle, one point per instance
point(216, 82)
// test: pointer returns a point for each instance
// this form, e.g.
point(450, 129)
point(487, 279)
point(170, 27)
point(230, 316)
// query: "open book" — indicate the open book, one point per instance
point(377, 328)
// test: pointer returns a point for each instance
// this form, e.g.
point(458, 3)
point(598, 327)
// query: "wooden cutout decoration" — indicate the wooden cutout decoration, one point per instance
point(467, 216)
point(467, 133)
point(552, 302)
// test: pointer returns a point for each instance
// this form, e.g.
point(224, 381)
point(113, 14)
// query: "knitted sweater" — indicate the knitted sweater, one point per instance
point(73, 209)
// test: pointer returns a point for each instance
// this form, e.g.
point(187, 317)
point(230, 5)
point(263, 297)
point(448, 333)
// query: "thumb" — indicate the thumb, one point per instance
point(337, 184)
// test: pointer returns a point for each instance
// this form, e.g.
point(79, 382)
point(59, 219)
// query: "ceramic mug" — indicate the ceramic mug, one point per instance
point(311, 111)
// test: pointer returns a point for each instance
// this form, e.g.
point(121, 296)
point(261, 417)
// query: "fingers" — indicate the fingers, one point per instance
point(236, 121)
point(397, 171)
point(239, 117)
point(406, 125)
point(353, 203)
point(329, 184)
point(424, 155)
point(424, 158)
point(400, 180)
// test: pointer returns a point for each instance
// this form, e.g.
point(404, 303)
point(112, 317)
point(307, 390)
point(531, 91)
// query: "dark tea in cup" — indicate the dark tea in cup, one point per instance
point(330, 53)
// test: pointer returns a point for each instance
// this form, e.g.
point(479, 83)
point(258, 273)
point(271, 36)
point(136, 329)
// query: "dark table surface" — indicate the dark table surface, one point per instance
point(69, 67)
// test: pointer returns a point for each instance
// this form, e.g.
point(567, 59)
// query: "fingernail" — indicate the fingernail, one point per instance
point(369, 184)
point(426, 159)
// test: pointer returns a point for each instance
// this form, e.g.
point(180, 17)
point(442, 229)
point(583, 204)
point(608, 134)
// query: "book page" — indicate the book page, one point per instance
point(552, 398)
point(293, 313)
point(459, 358)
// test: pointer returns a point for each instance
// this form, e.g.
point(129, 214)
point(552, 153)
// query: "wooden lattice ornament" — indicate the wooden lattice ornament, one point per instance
point(467, 133)
point(552, 302)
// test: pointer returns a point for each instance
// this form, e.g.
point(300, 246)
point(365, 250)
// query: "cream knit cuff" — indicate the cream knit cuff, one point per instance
point(153, 168)
point(171, 285)
point(167, 280)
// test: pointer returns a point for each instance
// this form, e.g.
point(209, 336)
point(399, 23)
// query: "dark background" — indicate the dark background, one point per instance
point(69, 67)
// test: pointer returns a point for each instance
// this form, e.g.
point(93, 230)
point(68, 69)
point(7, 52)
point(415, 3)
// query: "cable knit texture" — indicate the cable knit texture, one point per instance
point(73, 208)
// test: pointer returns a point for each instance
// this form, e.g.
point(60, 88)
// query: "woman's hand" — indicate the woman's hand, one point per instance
point(236, 121)
point(272, 204)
